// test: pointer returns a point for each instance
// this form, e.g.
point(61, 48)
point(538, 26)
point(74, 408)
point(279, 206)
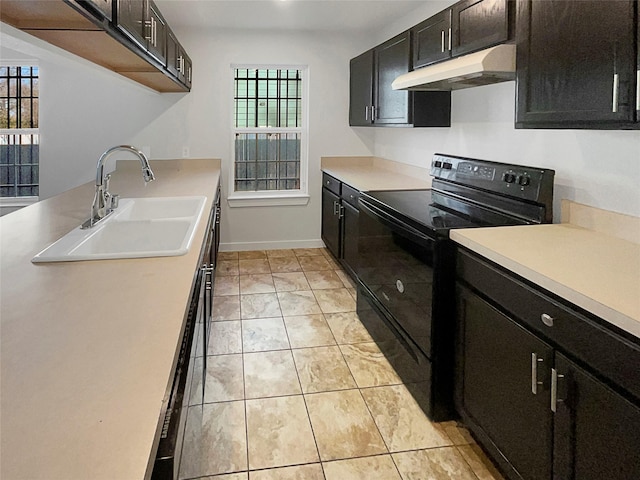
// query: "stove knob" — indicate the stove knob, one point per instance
point(437, 163)
point(524, 180)
point(508, 177)
point(446, 166)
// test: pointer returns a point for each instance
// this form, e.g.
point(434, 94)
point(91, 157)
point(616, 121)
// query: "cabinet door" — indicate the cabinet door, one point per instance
point(478, 24)
point(431, 39)
point(361, 90)
point(350, 238)
point(331, 222)
point(156, 34)
point(597, 430)
point(103, 7)
point(131, 16)
point(575, 64)
point(391, 60)
point(499, 371)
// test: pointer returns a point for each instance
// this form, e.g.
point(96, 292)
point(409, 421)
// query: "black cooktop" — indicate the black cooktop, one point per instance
point(430, 211)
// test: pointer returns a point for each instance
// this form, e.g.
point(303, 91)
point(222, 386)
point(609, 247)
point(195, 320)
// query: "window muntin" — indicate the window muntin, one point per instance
point(268, 128)
point(19, 137)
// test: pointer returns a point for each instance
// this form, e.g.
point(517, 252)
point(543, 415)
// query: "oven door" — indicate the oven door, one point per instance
point(396, 265)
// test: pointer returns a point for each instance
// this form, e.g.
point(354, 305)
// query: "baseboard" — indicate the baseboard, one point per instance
point(275, 245)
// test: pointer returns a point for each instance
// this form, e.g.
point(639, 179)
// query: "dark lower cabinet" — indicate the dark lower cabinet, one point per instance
point(537, 382)
point(497, 387)
point(597, 430)
point(576, 64)
point(340, 221)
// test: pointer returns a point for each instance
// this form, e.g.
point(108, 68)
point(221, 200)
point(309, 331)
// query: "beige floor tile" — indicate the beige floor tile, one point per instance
point(279, 433)
point(284, 264)
point(227, 267)
point(256, 283)
point(433, 464)
point(322, 369)
point(401, 421)
point(333, 262)
point(224, 379)
point(346, 279)
point(300, 302)
point(226, 308)
point(282, 252)
point(215, 440)
point(335, 301)
point(369, 366)
point(308, 331)
point(343, 426)
point(229, 476)
point(347, 328)
point(254, 265)
point(480, 464)
point(312, 471)
point(227, 255)
point(290, 282)
point(314, 263)
point(252, 255)
point(458, 434)
point(323, 280)
point(380, 467)
point(226, 285)
point(307, 252)
point(259, 305)
point(353, 293)
point(225, 338)
point(264, 334)
point(270, 374)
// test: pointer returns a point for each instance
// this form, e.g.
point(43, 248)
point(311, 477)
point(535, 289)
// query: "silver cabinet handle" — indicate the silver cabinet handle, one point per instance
point(336, 208)
point(341, 212)
point(554, 389)
point(449, 38)
point(534, 373)
point(366, 113)
point(328, 182)
point(616, 87)
point(154, 40)
point(547, 319)
point(637, 89)
point(373, 113)
point(442, 40)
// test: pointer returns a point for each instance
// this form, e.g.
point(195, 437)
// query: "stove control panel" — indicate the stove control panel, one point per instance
point(528, 183)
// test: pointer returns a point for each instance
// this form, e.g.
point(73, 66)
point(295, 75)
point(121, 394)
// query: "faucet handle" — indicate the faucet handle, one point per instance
point(113, 201)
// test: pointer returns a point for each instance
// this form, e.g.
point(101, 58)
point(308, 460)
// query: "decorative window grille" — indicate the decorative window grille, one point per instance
point(268, 129)
point(19, 137)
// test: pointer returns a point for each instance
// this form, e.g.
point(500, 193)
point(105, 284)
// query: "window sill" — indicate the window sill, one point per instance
point(265, 200)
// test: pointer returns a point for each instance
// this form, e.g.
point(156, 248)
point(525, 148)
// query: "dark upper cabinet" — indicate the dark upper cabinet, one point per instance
point(431, 39)
point(361, 89)
point(104, 8)
point(576, 64)
point(131, 16)
point(467, 26)
point(374, 102)
point(156, 33)
point(178, 62)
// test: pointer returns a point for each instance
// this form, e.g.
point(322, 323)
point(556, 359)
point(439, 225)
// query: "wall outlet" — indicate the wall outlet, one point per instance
point(185, 152)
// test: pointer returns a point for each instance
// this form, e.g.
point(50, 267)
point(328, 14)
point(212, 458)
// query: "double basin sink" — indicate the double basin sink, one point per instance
point(139, 227)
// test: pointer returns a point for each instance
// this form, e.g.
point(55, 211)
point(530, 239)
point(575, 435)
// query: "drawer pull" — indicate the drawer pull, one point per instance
point(328, 182)
point(547, 319)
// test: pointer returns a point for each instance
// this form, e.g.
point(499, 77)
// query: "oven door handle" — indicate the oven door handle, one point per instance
point(400, 227)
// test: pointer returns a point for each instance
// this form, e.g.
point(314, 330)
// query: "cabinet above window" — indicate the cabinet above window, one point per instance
point(129, 37)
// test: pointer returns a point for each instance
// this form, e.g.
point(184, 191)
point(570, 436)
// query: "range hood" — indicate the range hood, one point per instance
point(493, 65)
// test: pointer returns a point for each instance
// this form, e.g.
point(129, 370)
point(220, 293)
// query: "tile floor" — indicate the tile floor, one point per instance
point(296, 390)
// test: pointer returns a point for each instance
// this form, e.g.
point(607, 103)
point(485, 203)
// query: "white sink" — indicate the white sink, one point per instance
point(139, 227)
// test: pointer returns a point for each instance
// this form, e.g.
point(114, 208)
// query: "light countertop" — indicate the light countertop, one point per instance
point(596, 271)
point(88, 348)
point(373, 173)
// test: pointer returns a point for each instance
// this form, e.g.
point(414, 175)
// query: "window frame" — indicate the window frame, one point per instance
point(271, 197)
point(23, 201)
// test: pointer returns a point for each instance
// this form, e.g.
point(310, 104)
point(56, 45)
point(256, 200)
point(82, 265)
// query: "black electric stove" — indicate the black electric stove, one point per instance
point(406, 261)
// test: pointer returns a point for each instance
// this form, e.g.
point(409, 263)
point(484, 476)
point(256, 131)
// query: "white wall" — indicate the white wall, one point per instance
point(202, 121)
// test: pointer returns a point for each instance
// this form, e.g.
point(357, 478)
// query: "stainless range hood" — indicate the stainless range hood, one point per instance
point(493, 65)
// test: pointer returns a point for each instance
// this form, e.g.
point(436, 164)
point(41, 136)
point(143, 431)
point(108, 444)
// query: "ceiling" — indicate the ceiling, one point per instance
point(310, 15)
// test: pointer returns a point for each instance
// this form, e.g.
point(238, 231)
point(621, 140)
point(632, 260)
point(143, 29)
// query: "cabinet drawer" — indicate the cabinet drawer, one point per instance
point(331, 184)
point(609, 353)
point(350, 195)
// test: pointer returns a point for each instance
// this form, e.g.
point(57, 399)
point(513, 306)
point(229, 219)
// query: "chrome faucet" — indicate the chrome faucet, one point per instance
point(104, 202)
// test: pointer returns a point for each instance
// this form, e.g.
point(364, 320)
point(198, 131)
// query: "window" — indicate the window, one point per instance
point(19, 138)
point(269, 120)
